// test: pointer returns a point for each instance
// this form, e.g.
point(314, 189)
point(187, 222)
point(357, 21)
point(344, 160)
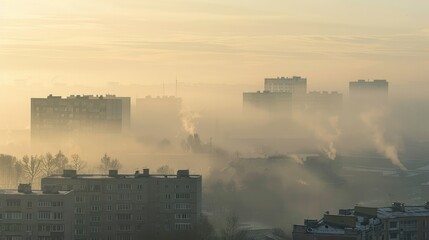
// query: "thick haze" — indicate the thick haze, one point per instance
point(253, 163)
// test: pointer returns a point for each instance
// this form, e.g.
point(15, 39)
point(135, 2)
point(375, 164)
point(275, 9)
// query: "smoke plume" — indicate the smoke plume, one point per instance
point(189, 121)
point(389, 150)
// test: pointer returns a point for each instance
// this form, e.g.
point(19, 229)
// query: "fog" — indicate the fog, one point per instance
point(273, 169)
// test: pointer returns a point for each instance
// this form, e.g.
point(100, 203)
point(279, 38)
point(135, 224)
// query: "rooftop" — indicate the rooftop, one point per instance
point(33, 192)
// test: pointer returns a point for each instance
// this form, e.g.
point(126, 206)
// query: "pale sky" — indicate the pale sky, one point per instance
point(213, 41)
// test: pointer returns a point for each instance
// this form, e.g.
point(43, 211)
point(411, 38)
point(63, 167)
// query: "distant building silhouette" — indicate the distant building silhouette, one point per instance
point(294, 85)
point(362, 90)
point(56, 116)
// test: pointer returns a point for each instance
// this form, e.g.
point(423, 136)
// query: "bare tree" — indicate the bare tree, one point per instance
point(49, 164)
point(165, 170)
point(107, 163)
point(77, 162)
point(231, 230)
point(61, 161)
point(32, 167)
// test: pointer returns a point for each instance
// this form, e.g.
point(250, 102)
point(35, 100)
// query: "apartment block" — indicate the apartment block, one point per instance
point(87, 114)
point(131, 206)
point(293, 85)
point(26, 214)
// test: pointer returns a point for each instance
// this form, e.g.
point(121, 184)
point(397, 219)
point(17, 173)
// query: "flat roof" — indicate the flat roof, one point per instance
point(410, 211)
point(121, 176)
point(33, 192)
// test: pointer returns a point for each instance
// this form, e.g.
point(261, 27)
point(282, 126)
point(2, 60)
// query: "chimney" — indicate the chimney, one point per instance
point(51, 189)
point(136, 174)
point(398, 207)
point(146, 172)
point(182, 173)
point(69, 173)
point(113, 173)
point(24, 188)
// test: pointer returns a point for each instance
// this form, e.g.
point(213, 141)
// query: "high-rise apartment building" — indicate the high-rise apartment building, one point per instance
point(87, 114)
point(294, 85)
point(131, 206)
point(278, 102)
point(361, 89)
point(35, 215)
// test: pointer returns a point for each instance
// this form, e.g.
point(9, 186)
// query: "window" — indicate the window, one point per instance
point(95, 229)
point(182, 216)
point(96, 208)
point(124, 217)
point(109, 187)
point(182, 226)
point(123, 197)
point(140, 187)
point(183, 206)
point(57, 204)
point(167, 196)
point(95, 218)
point(13, 203)
point(126, 228)
point(109, 218)
point(79, 222)
point(109, 208)
point(95, 198)
point(12, 215)
point(109, 197)
point(57, 215)
point(45, 204)
point(167, 206)
point(183, 195)
point(78, 210)
point(393, 225)
point(79, 199)
point(124, 186)
point(29, 216)
point(44, 215)
point(139, 197)
point(109, 228)
point(187, 186)
point(29, 204)
point(124, 207)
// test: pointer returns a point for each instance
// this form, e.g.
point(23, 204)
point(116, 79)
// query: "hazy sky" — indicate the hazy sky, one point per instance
point(213, 41)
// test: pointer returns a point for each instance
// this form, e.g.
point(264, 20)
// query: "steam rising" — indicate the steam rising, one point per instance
point(189, 120)
point(325, 129)
point(389, 150)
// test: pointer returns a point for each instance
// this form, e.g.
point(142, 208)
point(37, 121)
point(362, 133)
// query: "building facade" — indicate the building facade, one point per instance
point(87, 114)
point(132, 206)
point(294, 85)
point(279, 102)
point(36, 215)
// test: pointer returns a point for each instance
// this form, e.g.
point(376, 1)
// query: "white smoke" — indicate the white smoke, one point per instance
point(389, 150)
point(189, 121)
point(325, 129)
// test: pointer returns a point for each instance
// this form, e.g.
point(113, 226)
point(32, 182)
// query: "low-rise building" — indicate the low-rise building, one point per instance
point(398, 222)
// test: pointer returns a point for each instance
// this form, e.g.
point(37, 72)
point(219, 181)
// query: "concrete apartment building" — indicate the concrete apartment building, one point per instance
point(375, 90)
point(398, 222)
point(86, 114)
point(132, 206)
point(36, 215)
point(325, 102)
point(294, 85)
